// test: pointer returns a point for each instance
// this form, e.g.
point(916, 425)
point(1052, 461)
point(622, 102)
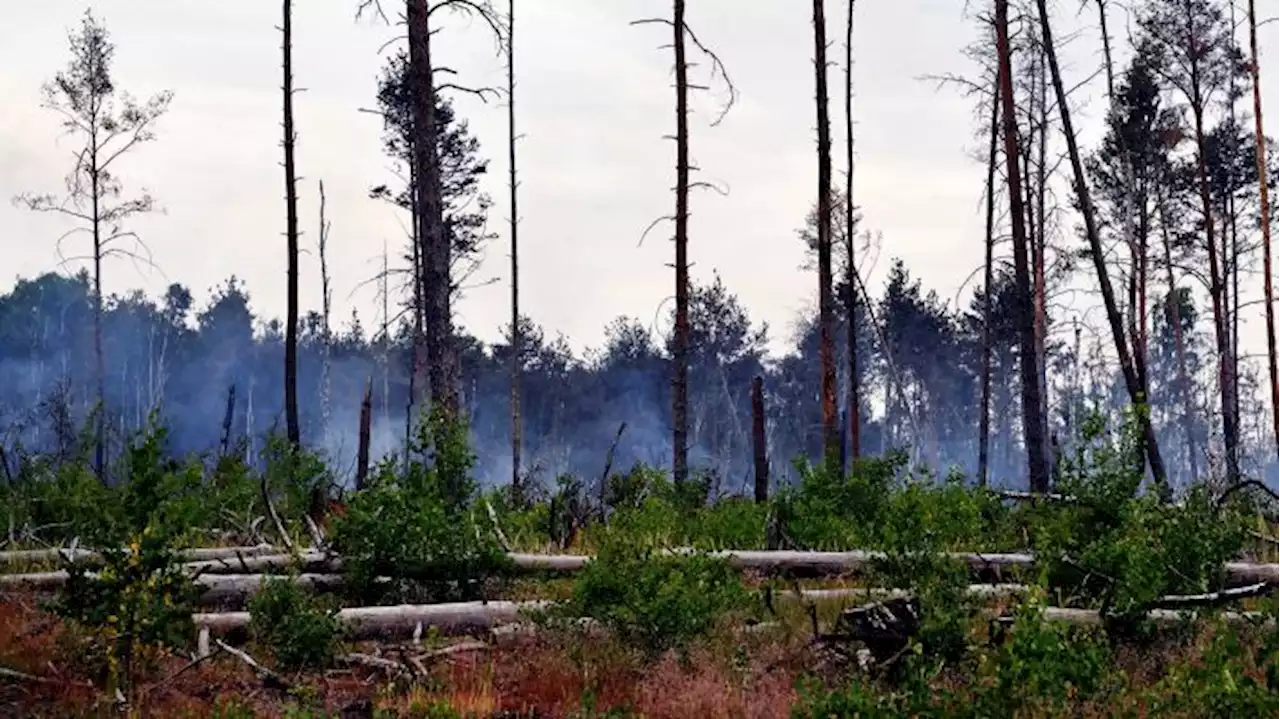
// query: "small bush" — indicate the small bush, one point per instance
point(299, 629)
point(418, 528)
point(139, 600)
point(654, 601)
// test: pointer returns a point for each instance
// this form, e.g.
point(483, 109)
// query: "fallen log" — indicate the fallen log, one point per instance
point(198, 554)
point(218, 589)
point(360, 623)
point(766, 561)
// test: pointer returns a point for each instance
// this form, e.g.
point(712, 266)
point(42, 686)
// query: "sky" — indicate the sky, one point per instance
point(594, 101)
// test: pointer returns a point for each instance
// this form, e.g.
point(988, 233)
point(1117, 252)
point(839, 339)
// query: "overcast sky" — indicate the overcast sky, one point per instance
point(593, 100)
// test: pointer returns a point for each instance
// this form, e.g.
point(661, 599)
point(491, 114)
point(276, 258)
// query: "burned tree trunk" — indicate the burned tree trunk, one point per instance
point(1038, 470)
point(362, 450)
point(516, 427)
point(854, 401)
point(988, 275)
point(292, 427)
point(680, 368)
point(433, 240)
point(228, 416)
point(1127, 365)
point(826, 351)
point(1260, 154)
point(326, 306)
point(759, 451)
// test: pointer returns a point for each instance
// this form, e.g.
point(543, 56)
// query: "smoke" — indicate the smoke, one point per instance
point(161, 358)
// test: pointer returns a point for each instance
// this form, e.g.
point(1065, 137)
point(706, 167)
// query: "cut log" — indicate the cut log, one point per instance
point(359, 623)
point(194, 555)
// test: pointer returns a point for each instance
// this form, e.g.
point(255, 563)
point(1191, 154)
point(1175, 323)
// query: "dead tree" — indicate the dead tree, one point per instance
point(1260, 153)
point(988, 276)
point(759, 452)
point(680, 376)
point(362, 448)
point(680, 351)
point(326, 306)
point(292, 427)
point(850, 268)
point(1038, 470)
point(516, 427)
point(109, 126)
point(433, 242)
point(1127, 366)
point(826, 351)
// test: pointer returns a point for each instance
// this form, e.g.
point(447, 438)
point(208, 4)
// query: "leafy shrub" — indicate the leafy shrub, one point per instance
point(1122, 550)
point(140, 600)
point(416, 527)
point(300, 630)
point(1043, 664)
point(652, 600)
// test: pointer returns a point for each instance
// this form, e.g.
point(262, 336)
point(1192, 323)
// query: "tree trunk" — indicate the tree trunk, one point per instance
point(854, 401)
point(680, 353)
point(326, 307)
point(292, 426)
point(1127, 365)
point(1179, 348)
point(1260, 154)
point(1217, 290)
point(362, 447)
point(988, 275)
point(759, 451)
point(1037, 468)
point(826, 351)
point(433, 240)
point(516, 427)
point(99, 361)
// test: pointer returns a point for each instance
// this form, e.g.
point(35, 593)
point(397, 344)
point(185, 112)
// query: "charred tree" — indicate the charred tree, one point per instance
point(326, 331)
point(1260, 154)
point(433, 241)
point(292, 428)
point(988, 276)
point(680, 355)
point(759, 451)
point(1127, 365)
point(854, 400)
point(362, 448)
point(1037, 467)
point(516, 427)
point(826, 303)
point(109, 127)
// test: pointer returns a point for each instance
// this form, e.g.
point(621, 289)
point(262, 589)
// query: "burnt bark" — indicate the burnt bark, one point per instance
point(516, 426)
point(1179, 347)
point(759, 451)
point(826, 303)
point(988, 276)
point(680, 364)
point(292, 427)
point(362, 449)
point(854, 400)
point(1260, 154)
point(1037, 467)
point(433, 240)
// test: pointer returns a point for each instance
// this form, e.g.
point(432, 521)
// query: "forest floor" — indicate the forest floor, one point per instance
point(727, 676)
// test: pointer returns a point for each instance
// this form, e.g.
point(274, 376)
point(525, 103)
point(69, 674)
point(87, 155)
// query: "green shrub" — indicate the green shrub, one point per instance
point(299, 629)
point(140, 599)
point(417, 528)
point(652, 600)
